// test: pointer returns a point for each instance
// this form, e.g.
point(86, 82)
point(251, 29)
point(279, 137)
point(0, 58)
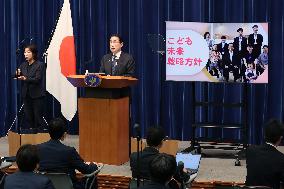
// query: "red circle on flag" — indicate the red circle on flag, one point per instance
point(67, 56)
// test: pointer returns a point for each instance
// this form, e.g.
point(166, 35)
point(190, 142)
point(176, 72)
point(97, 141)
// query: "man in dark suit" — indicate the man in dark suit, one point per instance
point(162, 169)
point(223, 46)
point(155, 137)
point(32, 74)
point(240, 43)
point(117, 63)
point(265, 164)
point(27, 160)
point(256, 40)
point(232, 63)
point(57, 157)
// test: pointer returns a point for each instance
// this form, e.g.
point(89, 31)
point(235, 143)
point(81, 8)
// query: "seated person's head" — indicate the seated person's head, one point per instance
point(155, 137)
point(274, 132)
point(57, 129)
point(27, 158)
point(162, 168)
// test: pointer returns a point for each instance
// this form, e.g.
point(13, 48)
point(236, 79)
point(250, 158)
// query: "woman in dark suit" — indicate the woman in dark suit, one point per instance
point(32, 74)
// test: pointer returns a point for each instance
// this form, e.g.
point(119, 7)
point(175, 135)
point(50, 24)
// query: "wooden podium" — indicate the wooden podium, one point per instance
point(104, 119)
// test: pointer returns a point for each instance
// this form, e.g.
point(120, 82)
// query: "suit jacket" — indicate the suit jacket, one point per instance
point(125, 65)
point(27, 180)
point(57, 157)
point(256, 47)
point(236, 61)
point(34, 85)
point(147, 155)
point(265, 166)
point(259, 39)
point(223, 50)
point(250, 57)
point(243, 45)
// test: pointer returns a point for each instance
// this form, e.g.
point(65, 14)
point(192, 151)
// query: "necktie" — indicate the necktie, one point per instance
point(113, 65)
point(255, 38)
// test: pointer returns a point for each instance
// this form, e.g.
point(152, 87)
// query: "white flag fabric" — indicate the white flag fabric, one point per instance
point(61, 62)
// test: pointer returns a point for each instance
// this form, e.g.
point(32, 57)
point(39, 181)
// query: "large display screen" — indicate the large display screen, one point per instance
point(217, 52)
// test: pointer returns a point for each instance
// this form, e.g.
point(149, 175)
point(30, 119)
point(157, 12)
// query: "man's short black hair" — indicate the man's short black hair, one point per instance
point(27, 158)
point(56, 128)
point(265, 46)
point(273, 131)
point(118, 36)
point(255, 26)
point(155, 136)
point(223, 37)
point(162, 168)
point(240, 29)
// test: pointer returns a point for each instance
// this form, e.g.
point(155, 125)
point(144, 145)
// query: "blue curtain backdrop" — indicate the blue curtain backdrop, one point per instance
point(155, 101)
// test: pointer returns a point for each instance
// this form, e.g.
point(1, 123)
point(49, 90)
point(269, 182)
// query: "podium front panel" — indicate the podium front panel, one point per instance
point(104, 130)
point(107, 93)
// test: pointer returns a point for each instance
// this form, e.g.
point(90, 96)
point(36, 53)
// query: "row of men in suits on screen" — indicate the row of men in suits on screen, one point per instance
point(240, 42)
point(244, 69)
point(243, 57)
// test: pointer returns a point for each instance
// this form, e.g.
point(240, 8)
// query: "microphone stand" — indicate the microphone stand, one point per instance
point(138, 138)
point(16, 121)
point(17, 128)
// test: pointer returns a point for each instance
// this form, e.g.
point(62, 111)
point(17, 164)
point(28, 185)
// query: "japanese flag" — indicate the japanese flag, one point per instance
point(61, 62)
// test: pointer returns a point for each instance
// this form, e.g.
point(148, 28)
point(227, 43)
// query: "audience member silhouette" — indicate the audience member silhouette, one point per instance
point(57, 157)
point(265, 164)
point(155, 137)
point(27, 160)
point(162, 169)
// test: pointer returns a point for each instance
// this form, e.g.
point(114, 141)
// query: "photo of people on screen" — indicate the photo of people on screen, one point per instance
point(238, 57)
point(217, 52)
